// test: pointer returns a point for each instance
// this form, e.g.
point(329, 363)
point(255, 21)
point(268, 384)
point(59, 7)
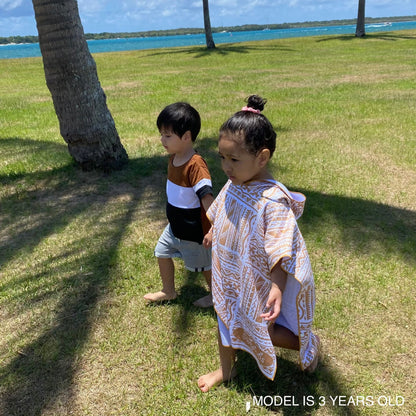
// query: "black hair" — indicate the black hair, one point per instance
point(254, 129)
point(180, 117)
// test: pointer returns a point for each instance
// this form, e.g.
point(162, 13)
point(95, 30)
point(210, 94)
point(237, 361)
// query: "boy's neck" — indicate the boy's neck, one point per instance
point(181, 158)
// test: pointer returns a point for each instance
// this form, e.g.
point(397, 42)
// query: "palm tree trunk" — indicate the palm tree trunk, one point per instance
point(85, 122)
point(360, 30)
point(207, 25)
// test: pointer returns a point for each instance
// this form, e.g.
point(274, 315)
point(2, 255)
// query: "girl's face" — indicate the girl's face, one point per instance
point(238, 164)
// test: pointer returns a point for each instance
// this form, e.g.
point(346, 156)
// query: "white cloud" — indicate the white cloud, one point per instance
point(92, 6)
point(167, 13)
point(10, 4)
point(15, 8)
point(229, 4)
point(13, 26)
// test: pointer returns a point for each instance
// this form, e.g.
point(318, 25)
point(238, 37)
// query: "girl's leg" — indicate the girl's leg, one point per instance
point(207, 274)
point(167, 274)
point(205, 301)
point(283, 337)
point(225, 373)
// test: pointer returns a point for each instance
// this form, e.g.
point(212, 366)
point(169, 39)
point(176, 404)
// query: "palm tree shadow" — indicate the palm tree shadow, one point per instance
point(389, 36)
point(220, 50)
point(44, 369)
point(292, 392)
point(365, 225)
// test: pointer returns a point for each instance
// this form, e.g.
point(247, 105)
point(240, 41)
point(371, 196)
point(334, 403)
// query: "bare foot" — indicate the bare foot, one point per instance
point(204, 302)
point(160, 296)
point(207, 381)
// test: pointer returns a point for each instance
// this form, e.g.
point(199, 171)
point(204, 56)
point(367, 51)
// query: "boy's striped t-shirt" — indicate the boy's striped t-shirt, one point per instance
point(185, 187)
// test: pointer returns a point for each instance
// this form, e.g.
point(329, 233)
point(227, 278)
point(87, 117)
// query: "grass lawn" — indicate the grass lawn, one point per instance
point(76, 248)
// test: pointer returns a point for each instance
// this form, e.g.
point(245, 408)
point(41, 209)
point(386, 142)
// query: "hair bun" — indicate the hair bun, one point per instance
point(256, 102)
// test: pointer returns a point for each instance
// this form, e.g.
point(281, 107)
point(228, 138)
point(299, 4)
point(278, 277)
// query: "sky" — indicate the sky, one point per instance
point(17, 16)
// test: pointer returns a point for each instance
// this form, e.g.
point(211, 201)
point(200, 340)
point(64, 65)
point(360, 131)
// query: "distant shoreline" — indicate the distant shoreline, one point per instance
point(193, 31)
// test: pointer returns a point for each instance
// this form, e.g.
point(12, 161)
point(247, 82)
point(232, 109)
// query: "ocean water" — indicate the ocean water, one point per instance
point(113, 45)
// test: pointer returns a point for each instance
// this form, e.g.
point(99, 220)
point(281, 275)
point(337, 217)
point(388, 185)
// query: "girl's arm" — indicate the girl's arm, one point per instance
point(278, 277)
point(207, 242)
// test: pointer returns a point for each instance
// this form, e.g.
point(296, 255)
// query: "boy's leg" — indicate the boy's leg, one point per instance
point(205, 301)
point(167, 274)
point(226, 372)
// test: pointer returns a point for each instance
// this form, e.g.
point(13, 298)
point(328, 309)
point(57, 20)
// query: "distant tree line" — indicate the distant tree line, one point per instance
point(18, 39)
point(195, 31)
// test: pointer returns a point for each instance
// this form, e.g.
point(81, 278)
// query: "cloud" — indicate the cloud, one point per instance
point(10, 4)
point(91, 7)
point(14, 26)
point(15, 8)
point(229, 4)
point(139, 15)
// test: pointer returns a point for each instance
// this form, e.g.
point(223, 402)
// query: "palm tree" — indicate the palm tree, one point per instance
point(85, 122)
point(360, 30)
point(207, 25)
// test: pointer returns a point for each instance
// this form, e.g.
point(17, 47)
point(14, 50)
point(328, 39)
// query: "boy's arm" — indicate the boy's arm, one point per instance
point(206, 201)
point(278, 277)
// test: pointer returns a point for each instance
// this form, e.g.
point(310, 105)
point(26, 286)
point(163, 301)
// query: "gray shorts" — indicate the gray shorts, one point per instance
point(196, 257)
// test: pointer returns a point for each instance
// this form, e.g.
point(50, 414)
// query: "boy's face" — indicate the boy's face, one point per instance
point(171, 141)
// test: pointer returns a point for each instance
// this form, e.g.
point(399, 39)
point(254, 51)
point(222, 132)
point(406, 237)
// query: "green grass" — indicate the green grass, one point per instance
point(76, 248)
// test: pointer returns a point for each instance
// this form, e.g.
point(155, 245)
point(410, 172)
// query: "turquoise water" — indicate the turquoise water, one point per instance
point(112, 45)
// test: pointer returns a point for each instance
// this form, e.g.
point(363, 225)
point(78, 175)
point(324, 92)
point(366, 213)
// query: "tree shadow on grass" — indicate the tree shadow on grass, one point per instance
point(220, 50)
point(366, 226)
point(390, 36)
point(292, 392)
point(38, 206)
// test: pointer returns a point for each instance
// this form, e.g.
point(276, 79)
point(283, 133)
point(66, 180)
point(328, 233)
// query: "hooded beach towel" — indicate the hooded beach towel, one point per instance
point(254, 227)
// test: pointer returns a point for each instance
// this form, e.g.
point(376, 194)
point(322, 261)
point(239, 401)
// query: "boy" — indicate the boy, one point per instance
point(189, 195)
